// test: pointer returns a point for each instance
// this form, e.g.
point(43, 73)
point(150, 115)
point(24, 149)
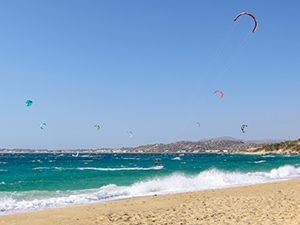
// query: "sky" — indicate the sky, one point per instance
point(149, 67)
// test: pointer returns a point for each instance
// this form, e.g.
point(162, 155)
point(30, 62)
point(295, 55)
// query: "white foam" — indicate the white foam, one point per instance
point(119, 169)
point(176, 158)
point(101, 169)
point(261, 161)
point(14, 202)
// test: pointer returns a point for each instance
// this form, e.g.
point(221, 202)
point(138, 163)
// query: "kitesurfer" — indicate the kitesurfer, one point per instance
point(156, 162)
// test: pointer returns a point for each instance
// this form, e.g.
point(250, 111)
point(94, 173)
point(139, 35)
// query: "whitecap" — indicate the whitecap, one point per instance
point(176, 158)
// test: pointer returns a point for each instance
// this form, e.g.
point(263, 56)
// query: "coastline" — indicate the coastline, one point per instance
point(268, 203)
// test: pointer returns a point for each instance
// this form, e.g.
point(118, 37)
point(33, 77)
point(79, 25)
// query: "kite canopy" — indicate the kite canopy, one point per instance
point(198, 124)
point(222, 95)
point(246, 13)
point(131, 134)
point(98, 126)
point(29, 103)
point(243, 127)
point(42, 124)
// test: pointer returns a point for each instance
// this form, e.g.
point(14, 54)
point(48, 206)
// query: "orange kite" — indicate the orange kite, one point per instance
point(222, 95)
point(246, 13)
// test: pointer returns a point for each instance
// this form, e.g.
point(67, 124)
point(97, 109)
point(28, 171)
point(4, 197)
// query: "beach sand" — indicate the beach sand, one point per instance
point(270, 203)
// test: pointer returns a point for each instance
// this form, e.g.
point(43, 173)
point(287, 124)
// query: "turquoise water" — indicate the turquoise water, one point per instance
point(38, 181)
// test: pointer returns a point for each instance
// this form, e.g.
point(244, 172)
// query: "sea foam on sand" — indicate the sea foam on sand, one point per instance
point(16, 202)
point(269, 203)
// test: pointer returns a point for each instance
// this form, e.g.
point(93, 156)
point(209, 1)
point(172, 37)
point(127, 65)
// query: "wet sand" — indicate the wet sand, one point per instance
point(270, 203)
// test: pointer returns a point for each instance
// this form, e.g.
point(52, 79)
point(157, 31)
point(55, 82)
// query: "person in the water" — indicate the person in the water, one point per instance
point(156, 162)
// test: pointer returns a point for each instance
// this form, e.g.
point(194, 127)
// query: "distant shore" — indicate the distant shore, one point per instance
point(207, 146)
point(269, 203)
point(111, 151)
point(220, 146)
point(99, 151)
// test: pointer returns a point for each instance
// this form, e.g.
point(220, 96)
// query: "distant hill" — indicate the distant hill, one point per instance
point(193, 147)
point(222, 144)
point(259, 142)
point(265, 141)
point(281, 148)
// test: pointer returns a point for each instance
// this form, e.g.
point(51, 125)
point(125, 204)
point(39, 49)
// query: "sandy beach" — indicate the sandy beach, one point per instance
point(270, 203)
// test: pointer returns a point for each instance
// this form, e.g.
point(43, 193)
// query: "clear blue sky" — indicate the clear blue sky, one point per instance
point(149, 67)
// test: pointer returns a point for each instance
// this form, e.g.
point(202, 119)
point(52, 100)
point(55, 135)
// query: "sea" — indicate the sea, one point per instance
point(30, 182)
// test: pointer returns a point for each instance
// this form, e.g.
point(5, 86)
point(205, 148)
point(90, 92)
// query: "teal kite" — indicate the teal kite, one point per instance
point(42, 124)
point(29, 103)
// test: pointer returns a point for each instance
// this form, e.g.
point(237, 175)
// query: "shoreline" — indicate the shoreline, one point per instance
point(267, 203)
point(225, 152)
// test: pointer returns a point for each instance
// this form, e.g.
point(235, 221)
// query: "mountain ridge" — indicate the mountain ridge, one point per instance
point(221, 144)
point(263, 141)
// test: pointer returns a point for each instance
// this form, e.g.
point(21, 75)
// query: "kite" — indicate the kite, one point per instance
point(29, 103)
point(222, 95)
point(98, 126)
point(246, 13)
point(131, 134)
point(243, 127)
point(198, 124)
point(42, 124)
